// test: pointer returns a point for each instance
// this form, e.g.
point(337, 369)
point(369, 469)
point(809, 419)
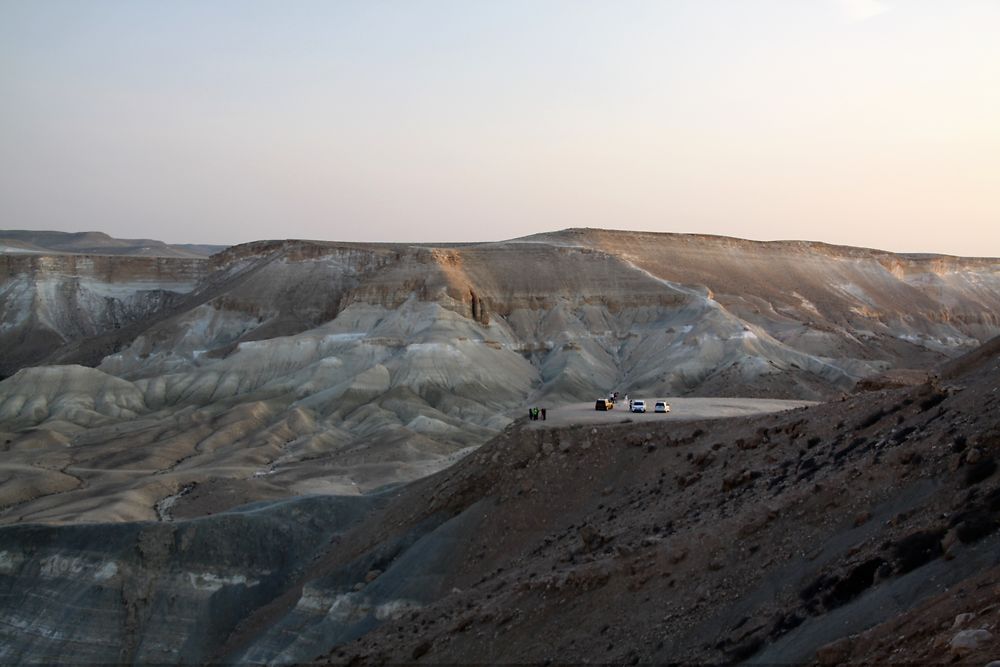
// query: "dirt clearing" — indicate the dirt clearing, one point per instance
point(681, 409)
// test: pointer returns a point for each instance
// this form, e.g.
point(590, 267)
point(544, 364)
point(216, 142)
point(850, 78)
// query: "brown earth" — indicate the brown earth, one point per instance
point(862, 529)
point(766, 539)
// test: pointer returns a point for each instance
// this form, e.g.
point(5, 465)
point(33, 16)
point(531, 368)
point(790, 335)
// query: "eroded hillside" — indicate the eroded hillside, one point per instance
point(50, 301)
point(863, 529)
point(287, 367)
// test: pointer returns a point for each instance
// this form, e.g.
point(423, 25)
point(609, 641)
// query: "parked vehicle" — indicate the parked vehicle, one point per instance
point(661, 406)
point(638, 406)
point(604, 404)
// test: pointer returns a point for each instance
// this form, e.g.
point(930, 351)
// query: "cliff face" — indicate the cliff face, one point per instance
point(846, 304)
point(154, 593)
point(47, 301)
point(864, 310)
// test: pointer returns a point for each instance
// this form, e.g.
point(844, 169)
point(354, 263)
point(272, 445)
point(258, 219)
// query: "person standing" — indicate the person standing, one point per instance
point(543, 414)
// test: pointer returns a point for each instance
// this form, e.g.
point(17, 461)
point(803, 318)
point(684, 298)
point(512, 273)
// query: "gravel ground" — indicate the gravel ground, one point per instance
point(681, 409)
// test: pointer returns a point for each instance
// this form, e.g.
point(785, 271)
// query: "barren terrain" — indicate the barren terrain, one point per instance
point(281, 368)
point(864, 529)
point(299, 450)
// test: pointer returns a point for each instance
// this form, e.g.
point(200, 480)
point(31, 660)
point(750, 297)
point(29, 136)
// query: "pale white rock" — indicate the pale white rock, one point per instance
point(969, 640)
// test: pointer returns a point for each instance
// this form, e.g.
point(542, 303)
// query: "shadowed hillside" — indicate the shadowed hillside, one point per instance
point(765, 539)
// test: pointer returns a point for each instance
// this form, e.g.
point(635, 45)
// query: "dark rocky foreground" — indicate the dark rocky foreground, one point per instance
point(766, 540)
point(155, 593)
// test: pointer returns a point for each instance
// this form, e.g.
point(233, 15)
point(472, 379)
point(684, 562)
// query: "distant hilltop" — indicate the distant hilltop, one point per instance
point(23, 241)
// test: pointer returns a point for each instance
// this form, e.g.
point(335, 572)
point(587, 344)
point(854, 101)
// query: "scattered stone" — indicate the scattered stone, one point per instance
point(421, 650)
point(980, 470)
point(962, 619)
point(834, 653)
point(736, 480)
point(950, 544)
point(372, 575)
point(969, 640)
point(591, 538)
point(678, 555)
point(917, 548)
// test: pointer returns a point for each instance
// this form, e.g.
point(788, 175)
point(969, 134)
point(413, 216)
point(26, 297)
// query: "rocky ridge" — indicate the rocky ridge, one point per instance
point(21, 241)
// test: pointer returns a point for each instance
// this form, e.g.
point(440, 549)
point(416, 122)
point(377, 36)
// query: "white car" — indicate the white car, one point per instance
point(661, 406)
point(638, 406)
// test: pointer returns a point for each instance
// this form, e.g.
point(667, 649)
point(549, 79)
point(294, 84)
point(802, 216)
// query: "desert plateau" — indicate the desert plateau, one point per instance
point(299, 450)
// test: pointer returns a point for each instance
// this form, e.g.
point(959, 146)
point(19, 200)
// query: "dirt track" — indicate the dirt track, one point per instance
point(681, 409)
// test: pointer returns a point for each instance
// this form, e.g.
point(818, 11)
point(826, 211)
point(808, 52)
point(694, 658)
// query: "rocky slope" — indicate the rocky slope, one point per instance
point(290, 367)
point(864, 529)
point(47, 301)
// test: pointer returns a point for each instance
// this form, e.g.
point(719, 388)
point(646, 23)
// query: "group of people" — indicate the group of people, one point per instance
point(533, 414)
point(613, 397)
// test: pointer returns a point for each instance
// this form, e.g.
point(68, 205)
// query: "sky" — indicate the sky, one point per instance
point(862, 122)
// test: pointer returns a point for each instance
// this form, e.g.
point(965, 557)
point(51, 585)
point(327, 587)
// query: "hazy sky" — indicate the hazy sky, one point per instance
point(863, 122)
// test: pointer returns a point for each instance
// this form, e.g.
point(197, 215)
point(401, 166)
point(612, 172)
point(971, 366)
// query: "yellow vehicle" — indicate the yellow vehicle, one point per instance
point(604, 404)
